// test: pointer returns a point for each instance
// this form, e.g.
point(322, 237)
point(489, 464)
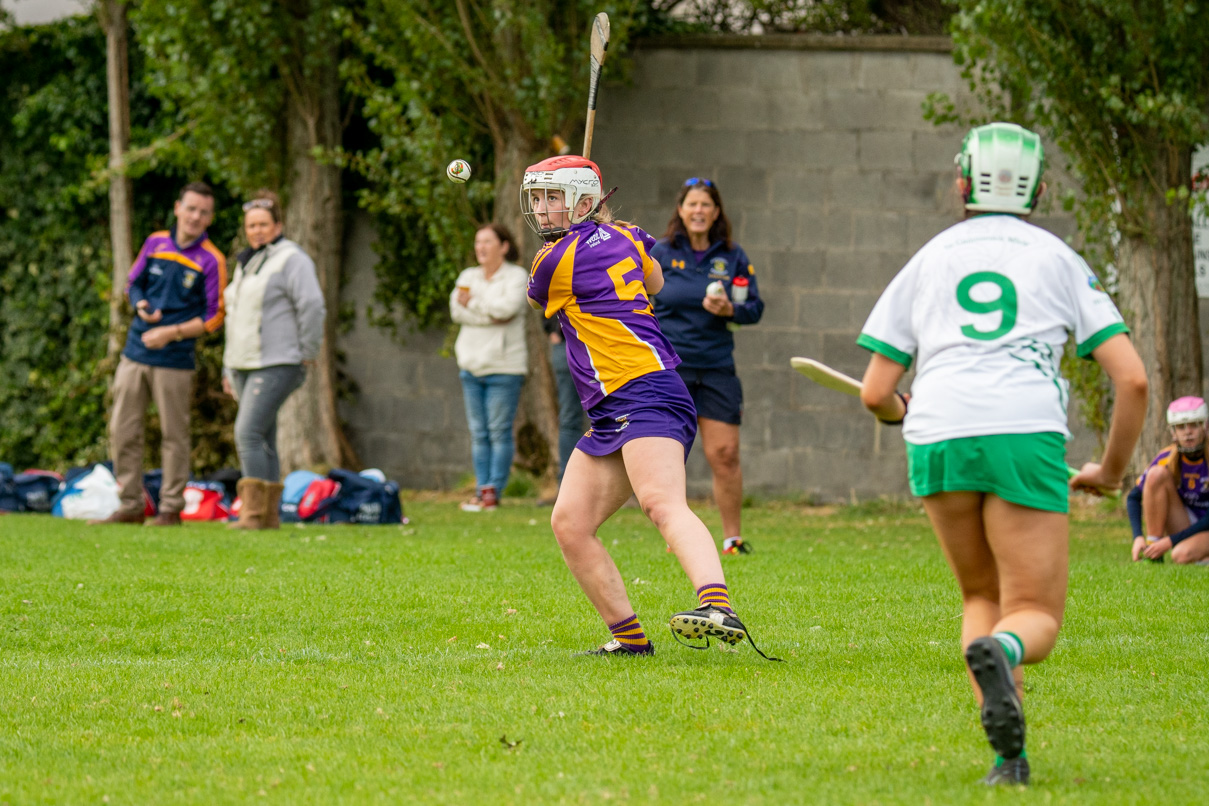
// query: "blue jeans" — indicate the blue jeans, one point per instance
point(490, 408)
point(261, 393)
point(571, 421)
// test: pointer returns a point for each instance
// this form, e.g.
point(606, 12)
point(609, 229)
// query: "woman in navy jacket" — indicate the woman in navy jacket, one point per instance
point(696, 251)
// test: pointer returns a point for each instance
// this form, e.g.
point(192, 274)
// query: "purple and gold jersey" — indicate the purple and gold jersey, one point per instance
point(1191, 478)
point(593, 279)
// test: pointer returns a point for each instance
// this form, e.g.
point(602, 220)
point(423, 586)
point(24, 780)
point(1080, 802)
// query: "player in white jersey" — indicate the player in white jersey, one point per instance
point(984, 311)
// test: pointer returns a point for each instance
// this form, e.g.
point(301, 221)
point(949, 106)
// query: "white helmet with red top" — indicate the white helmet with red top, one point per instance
point(576, 177)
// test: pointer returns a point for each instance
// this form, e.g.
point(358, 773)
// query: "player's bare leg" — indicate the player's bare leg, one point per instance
point(720, 442)
point(957, 520)
point(1031, 549)
point(655, 466)
point(1191, 549)
point(593, 488)
point(1162, 510)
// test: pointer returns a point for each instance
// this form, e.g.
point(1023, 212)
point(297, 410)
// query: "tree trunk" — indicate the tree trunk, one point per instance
point(309, 432)
point(536, 424)
point(1158, 293)
point(113, 20)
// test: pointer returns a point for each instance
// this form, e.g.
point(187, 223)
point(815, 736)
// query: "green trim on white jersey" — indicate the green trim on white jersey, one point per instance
point(1086, 348)
point(881, 348)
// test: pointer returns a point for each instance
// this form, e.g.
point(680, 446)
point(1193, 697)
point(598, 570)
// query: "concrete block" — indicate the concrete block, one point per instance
point(768, 472)
point(743, 185)
point(934, 151)
point(850, 187)
point(922, 228)
point(884, 150)
point(674, 69)
point(841, 352)
point(827, 149)
point(904, 110)
point(830, 231)
point(793, 111)
point(793, 269)
point(883, 71)
point(772, 228)
point(823, 71)
point(780, 310)
point(935, 72)
point(681, 107)
point(860, 270)
point(825, 310)
point(761, 70)
point(795, 187)
point(854, 110)
point(880, 231)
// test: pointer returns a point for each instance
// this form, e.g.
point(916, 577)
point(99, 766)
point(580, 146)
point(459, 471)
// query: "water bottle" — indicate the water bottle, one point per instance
point(738, 290)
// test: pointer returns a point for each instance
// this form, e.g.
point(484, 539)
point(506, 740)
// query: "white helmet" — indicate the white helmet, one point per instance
point(576, 177)
point(1002, 165)
point(1187, 409)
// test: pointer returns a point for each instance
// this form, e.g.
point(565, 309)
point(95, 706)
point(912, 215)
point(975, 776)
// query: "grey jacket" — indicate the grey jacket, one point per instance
point(274, 309)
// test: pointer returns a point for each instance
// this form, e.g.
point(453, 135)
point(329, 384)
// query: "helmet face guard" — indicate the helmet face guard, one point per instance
point(572, 179)
point(1001, 164)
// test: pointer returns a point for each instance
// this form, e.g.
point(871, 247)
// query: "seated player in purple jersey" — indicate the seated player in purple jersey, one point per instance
point(596, 274)
point(1174, 491)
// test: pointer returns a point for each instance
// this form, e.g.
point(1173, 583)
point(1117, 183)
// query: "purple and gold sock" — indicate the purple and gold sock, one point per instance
point(715, 594)
point(628, 632)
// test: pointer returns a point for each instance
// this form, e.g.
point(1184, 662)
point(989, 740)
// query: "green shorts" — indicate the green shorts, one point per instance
point(1025, 469)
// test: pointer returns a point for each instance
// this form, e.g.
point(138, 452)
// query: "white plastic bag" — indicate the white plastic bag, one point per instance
point(95, 496)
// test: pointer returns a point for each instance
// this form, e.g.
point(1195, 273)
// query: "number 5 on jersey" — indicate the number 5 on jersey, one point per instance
point(627, 291)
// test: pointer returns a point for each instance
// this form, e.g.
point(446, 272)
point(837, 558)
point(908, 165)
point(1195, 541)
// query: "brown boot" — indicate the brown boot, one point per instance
point(119, 517)
point(165, 519)
point(252, 499)
point(272, 512)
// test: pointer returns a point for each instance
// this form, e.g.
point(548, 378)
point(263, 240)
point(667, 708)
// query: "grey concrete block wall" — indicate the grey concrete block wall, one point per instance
point(831, 178)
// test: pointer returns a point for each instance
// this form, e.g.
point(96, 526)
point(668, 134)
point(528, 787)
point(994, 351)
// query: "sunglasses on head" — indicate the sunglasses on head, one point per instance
point(696, 180)
point(262, 204)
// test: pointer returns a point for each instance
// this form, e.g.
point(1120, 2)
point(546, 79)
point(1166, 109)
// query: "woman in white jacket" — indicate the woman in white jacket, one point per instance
point(489, 302)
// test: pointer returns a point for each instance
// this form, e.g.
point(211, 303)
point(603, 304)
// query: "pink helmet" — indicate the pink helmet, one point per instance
point(1188, 409)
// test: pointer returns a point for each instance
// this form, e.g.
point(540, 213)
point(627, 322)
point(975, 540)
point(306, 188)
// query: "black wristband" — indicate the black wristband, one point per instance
point(899, 421)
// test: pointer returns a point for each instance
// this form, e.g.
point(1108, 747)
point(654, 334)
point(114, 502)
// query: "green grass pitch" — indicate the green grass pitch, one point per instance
point(432, 663)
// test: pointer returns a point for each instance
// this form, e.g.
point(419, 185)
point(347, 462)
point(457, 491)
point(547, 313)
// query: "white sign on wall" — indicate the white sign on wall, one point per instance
point(1200, 222)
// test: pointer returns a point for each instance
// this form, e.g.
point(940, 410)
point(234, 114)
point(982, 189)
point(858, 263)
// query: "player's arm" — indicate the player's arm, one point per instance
point(652, 276)
point(878, 389)
point(1124, 368)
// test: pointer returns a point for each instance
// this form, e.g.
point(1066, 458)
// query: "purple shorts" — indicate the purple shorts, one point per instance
point(654, 405)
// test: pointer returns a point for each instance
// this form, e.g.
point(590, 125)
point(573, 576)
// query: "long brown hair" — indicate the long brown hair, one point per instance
point(720, 231)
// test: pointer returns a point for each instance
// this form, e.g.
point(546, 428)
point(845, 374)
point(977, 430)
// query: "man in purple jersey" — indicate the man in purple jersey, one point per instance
point(176, 287)
point(595, 274)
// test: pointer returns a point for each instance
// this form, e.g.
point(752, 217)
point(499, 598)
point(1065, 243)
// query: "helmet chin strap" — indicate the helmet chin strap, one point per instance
point(1195, 454)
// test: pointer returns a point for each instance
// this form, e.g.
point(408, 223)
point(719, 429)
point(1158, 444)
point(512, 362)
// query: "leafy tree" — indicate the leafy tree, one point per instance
point(1119, 87)
point(54, 261)
point(488, 80)
point(254, 88)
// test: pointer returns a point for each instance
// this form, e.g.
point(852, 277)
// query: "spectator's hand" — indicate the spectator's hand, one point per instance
point(158, 337)
point(718, 306)
point(495, 321)
point(463, 296)
point(1092, 479)
point(150, 318)
point(228, 389)
point(1139, 545)
point(556, 338)
point(1157, 549)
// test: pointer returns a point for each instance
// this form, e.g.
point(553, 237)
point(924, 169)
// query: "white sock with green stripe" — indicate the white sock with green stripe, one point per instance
point(1013, 647)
